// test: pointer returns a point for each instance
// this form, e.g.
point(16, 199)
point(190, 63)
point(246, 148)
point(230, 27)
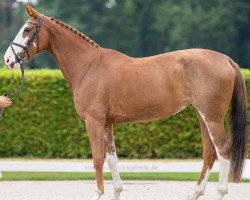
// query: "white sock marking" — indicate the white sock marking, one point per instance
point(200, 189)
point(224, 166)
point(112, 163)
point(224, 170)
point(97, 195)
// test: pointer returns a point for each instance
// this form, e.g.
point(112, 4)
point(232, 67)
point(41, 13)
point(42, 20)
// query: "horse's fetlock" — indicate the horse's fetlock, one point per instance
point(118, 188)
point(199, 193)
point(222, 190)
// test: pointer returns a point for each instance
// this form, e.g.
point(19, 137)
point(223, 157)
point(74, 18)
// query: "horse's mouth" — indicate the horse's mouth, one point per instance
point(13, 66)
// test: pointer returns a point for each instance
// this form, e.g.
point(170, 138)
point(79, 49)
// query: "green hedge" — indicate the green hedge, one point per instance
point(43, 123)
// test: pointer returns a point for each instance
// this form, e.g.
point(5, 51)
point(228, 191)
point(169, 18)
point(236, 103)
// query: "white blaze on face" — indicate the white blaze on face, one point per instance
point(9, 57)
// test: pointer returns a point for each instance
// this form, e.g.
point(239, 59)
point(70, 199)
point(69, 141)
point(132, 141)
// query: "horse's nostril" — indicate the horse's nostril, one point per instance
point(8, 60)
point(12, 65)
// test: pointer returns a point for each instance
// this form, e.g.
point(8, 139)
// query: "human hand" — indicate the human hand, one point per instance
point(5, 102)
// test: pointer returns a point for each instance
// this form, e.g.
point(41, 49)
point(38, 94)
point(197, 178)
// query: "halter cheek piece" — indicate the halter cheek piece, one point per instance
point(16, 93)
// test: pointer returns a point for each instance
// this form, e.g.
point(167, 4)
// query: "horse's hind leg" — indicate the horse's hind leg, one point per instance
point(112, 160)
point(218, 135)
point(209, 155)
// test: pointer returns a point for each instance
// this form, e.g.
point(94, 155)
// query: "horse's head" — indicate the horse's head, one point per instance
point(31, 39)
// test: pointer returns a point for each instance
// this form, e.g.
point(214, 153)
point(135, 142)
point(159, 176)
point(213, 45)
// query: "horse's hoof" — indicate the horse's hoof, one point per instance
point(195, 196)
point(221, 194)
point(219, 197)
point(117, 193)
point(97, 195)
point(115, 198)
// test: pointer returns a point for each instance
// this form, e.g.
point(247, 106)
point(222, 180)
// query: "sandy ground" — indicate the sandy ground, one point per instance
point(134, 190)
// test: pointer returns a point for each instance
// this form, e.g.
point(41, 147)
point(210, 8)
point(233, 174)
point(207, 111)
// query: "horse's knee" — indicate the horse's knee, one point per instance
point(98, 163)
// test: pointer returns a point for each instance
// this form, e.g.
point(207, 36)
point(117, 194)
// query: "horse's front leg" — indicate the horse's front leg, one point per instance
point(112, 160)
point(95, 131)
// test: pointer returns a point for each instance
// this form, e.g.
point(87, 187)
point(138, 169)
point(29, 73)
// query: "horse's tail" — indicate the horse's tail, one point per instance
point(238, 124)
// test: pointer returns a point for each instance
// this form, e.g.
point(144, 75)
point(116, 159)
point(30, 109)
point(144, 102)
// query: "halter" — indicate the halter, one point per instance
point(20, 60)
point(27, 45)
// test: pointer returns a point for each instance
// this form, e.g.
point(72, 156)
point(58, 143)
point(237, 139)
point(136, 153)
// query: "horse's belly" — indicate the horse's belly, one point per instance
point(152, 93)
point(147, 114)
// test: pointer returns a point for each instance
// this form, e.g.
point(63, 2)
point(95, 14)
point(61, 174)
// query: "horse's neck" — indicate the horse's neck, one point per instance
point(73, 54)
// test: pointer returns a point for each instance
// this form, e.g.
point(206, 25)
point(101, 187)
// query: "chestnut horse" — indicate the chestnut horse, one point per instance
point(111, 88)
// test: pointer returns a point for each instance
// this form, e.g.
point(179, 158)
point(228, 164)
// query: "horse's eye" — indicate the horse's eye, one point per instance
point(26, 30)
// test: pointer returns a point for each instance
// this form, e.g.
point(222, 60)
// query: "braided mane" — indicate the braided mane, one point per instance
point(75, 31)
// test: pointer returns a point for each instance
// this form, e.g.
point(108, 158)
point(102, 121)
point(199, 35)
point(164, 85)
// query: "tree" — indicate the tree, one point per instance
point(143, 27)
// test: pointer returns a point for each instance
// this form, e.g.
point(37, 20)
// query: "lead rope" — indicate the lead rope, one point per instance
point(18, 91)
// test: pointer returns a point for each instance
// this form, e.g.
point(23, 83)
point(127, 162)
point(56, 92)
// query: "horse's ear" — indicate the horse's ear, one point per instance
point(28, 11)
point(32, 12)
